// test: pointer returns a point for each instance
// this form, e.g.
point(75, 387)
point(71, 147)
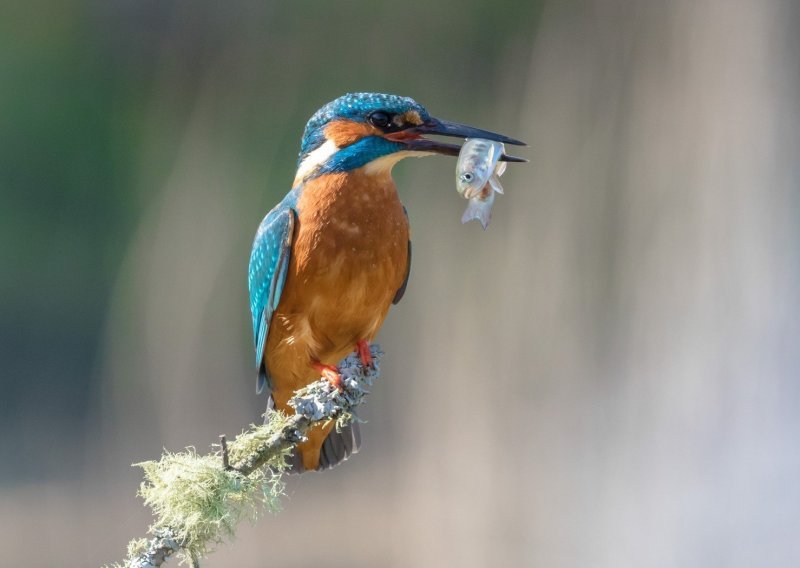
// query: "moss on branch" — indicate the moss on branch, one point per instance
point(198, 500)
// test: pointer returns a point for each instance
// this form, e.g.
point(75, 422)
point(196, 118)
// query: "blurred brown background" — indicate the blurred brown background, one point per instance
point(607, 377)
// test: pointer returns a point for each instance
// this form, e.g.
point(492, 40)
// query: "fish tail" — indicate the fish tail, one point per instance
point(477, 210)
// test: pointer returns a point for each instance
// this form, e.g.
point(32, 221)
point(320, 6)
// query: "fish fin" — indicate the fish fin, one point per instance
point(501, 169)
point(494, 182)
point(477, 210)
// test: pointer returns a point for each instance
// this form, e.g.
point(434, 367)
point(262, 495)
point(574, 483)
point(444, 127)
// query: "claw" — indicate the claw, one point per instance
point(329, 373)
point(362, 347)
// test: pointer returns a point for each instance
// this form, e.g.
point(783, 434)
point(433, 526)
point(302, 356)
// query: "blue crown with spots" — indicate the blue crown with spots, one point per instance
point(355, 107)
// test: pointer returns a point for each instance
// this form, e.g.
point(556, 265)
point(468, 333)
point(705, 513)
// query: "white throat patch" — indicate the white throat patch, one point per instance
point(315, 159)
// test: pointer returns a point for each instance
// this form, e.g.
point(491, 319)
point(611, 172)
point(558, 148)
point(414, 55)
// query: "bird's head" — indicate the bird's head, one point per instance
point(376, 131)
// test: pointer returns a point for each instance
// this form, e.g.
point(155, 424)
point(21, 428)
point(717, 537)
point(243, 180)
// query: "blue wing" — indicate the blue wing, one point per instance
point(269, 263)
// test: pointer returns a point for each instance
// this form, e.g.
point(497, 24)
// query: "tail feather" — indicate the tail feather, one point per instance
point(336, 448)
point(339, 446)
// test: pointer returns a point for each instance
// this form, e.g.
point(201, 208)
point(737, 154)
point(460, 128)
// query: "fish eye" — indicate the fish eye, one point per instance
point(379, 119)
point(466, 177)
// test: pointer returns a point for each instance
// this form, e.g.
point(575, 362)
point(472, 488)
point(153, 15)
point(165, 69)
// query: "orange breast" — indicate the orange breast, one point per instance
point(349, 257)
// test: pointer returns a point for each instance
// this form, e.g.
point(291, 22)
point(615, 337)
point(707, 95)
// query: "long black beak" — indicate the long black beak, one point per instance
point(446, 128)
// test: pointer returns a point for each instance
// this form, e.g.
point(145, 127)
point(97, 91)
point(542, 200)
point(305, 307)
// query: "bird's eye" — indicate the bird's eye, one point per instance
point(379, 119)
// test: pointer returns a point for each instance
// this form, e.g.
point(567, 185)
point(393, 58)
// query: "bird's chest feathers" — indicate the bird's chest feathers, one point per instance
point(352, 235)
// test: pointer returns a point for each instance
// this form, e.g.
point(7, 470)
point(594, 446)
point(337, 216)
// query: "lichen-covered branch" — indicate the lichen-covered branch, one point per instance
point(198, 500)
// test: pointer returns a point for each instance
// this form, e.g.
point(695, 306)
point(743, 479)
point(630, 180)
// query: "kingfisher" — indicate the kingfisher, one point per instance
point(330, 259)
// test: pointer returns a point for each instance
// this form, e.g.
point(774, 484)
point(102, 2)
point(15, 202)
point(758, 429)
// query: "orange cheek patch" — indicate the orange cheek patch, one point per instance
point(346, 132)
point(412, 117)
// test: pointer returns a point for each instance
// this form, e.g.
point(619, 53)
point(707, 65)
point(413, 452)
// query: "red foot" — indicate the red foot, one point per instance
point(362, 347)
point(330, 373)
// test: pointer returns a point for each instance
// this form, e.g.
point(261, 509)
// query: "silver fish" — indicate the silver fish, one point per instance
point(478, 178)
point(477, 161)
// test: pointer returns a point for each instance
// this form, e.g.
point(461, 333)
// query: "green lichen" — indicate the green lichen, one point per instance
point(201, 501)
point(198, 500)
point(136, 547)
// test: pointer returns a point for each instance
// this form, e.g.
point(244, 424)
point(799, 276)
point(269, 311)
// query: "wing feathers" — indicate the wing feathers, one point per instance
point(269, 261)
